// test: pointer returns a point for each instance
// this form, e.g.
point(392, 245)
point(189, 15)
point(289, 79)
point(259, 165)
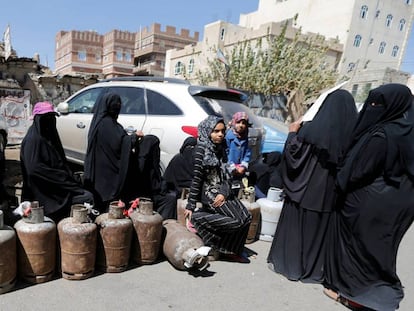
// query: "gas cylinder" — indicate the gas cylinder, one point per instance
point(270, 209)
point(247, 197)
point(77, 238)
point(36, 245)
point(114, 239)
point(148, 229)
point(181, 204)
point(8, 256)
point(184, 249)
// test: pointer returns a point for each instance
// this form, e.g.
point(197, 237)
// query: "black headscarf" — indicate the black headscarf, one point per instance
point(46, 176)
point(109, 148)
point(179, 171)
point(389, 116)
point(213, 152)
point(330, 130)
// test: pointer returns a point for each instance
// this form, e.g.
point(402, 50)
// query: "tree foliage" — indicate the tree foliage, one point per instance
point(276, 65)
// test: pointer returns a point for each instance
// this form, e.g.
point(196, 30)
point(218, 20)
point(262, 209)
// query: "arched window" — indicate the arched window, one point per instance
point(388, 21)
point(357, 40)
point(179, 68)
point(394, 52)
point(191, 66)
point(381, 49)
point(402, 24)
point(364, 12)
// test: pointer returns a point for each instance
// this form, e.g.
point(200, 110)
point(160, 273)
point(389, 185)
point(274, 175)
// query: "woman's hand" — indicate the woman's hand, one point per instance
point(295, 126)
point(219, 200)
point(188, 213)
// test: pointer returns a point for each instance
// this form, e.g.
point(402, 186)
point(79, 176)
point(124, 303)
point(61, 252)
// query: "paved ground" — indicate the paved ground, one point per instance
point(223, 286)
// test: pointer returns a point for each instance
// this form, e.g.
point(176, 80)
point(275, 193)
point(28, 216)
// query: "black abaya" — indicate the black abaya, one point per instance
point(47, 177)
point(377, 207)
point(308, 173)
point(108, 154)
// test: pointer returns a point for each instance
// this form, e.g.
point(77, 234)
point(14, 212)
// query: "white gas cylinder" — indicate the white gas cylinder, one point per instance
point(270, 209)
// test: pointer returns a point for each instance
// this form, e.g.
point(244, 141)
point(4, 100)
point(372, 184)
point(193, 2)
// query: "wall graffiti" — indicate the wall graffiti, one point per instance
point(15, 110)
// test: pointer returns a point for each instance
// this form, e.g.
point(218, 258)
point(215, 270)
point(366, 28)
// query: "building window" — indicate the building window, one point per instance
point(394, 52)
point(388, 21)
point(357, 40)
point(222, 33)
point(82, 56)
point(128, 57)
point(409, 2)
point(364, 12)
point(377, 14)
point(351, 66)
point(354, 90)
point(98, 57)
point(191, 66)
point(381, 49)
point(179, 68)
point(402, 24)
point(119, 55)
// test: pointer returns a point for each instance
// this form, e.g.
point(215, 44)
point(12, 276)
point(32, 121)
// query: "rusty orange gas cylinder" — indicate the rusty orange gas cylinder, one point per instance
point(114, 239)
point(184, 249)
point(247, 197)
point(8, 256)
point(181, 204)
point(148, 229)
point(36, 245)
point(77, 238)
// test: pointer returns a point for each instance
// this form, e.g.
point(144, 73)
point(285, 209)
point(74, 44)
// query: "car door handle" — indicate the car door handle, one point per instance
point(80, 125)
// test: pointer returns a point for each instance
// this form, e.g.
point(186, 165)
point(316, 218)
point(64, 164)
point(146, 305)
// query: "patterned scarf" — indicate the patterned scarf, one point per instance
point(212, 153)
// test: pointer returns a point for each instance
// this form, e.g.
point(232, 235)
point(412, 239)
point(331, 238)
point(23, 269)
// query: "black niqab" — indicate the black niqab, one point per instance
point(331, 128)
point(388, 116)
point(109, 148)
point(47, 177)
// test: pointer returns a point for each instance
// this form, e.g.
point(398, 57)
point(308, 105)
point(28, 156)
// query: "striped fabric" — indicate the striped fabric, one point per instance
point(224, 228)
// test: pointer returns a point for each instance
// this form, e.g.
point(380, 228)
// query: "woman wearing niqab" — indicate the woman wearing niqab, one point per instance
point(377, 203)
point(47, 177)
point(310, 158)
point(108, 154)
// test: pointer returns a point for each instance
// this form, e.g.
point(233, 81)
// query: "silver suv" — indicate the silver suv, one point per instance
point(168, 108)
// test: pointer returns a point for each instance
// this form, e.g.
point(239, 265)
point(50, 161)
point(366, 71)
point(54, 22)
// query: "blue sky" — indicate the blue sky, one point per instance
point(34, 24)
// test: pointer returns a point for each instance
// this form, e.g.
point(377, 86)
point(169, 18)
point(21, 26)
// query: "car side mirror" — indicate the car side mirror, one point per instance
point(63, 108)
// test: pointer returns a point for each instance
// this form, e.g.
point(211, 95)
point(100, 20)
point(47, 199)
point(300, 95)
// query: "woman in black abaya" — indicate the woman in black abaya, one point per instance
point(108, 154)
point(377, 182)
point(47, 177)
point(179, 172)
point(312, 152)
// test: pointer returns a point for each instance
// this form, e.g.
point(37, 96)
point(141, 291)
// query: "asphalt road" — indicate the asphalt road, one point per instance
point(223, 286)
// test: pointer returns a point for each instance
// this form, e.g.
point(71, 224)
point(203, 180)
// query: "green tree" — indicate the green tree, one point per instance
point(276, 65)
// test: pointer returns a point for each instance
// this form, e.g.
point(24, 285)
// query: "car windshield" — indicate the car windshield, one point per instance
point(226, 109)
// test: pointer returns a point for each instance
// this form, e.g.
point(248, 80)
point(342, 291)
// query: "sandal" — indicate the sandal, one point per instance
point(331, 294)
point(344, 301)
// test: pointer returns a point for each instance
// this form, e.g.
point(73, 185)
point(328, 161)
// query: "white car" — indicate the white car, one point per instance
point(170, 109)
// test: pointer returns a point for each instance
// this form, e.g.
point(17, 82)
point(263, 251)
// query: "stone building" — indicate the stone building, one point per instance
point(151, 46)
point(87, 52)
point(117, 53)
point(185, 63)
point(374, 34)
